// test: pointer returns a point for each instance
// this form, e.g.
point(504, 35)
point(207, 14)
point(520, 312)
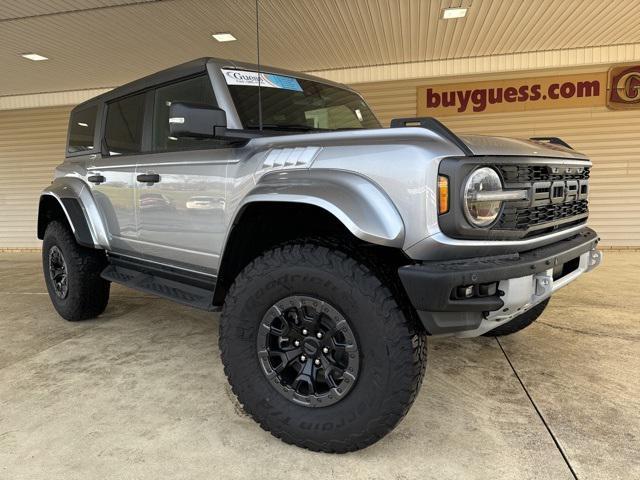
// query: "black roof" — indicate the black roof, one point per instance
point(183, 70)
point(192, 67)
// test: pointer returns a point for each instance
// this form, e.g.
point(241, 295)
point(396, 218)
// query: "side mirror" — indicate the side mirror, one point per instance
point(196, 121)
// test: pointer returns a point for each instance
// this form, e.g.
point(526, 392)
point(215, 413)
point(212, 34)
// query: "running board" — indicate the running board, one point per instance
point(179, 292)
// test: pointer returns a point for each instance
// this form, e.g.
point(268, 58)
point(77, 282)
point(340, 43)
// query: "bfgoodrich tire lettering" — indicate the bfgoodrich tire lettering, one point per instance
point(392, 351)
point(85, 294)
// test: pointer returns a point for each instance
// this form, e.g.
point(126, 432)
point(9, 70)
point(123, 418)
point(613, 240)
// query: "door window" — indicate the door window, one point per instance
point(194, 90)
point(82, 126)
point(125, 119)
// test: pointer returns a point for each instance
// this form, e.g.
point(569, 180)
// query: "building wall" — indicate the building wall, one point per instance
point(32, 143)
point(609, 138)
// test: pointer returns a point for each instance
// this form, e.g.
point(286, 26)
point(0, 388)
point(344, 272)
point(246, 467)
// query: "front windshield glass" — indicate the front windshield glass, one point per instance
point(295, 104)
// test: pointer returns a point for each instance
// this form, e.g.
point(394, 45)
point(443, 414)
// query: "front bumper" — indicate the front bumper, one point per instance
point(502, 287)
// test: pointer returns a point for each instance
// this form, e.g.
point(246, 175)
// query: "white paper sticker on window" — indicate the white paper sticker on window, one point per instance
point(269, 80)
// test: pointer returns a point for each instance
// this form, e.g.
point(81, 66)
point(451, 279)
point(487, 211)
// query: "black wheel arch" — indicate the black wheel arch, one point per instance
point(68, 211)
point(260, 226)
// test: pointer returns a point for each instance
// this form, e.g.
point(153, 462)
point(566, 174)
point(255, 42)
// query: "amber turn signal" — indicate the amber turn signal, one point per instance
point(443, 194)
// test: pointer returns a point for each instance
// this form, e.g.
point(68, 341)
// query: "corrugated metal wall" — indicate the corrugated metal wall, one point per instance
point(610, 138)
point(32, 143)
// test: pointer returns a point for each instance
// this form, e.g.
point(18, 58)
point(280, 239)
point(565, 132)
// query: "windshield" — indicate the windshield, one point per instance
point(296, 104)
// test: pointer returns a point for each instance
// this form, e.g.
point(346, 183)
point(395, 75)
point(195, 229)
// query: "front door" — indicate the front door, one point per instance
point(181, 213)
point(181, 186)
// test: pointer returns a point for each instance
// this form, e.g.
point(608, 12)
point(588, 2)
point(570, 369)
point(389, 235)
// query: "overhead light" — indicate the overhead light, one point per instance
point(449, 13)
point(34, 56)
point(224, 37)
point(82, 124)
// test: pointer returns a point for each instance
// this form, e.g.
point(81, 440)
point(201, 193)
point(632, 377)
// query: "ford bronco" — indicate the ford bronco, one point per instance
point(332, 246)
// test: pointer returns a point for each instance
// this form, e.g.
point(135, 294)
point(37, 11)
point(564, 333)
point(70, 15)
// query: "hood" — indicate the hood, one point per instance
point(486, 145)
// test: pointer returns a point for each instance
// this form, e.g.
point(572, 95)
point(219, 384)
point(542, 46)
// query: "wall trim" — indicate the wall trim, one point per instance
point(511, 62)
point(20, 249)
point(49, 99)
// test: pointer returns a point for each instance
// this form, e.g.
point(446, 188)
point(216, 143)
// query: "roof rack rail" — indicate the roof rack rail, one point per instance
point(435, 126)
point(552, 140)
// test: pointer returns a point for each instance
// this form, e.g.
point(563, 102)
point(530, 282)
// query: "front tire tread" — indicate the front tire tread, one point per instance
point(397, 402)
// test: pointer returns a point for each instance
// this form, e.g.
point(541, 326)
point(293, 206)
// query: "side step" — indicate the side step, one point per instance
point(179, 292)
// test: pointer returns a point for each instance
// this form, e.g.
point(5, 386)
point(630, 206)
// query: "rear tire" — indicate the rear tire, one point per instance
point(387, 356)
point(520, 322)
point(72, 275)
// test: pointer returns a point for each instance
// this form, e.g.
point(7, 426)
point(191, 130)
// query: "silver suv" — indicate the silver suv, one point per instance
point(331, 245)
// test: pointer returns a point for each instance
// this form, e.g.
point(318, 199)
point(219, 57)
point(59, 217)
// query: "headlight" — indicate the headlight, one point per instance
point(478, 210)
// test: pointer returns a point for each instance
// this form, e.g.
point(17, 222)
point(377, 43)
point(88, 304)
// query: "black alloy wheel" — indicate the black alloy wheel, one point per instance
point(58, 272)
point(308, 351)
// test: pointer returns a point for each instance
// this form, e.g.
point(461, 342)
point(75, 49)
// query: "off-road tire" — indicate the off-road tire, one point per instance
point(88, 293)
point(520, 322)
point(392, 348)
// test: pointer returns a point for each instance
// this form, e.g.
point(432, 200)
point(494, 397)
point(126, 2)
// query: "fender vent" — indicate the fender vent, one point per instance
point(281, 158)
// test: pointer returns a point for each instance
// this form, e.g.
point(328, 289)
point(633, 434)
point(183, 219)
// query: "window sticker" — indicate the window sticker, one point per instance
point(269, 80)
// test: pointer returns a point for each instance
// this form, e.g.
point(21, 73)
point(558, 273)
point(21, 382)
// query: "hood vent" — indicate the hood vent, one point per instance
point(436, 127)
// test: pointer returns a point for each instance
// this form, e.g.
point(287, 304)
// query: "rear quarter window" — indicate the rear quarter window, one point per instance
point(82, 127)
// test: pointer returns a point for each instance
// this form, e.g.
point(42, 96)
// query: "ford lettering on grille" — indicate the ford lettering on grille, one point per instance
point(557, 197)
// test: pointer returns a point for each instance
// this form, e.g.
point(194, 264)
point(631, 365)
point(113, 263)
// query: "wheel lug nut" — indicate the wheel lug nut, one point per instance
point(303, 358)
point(325, 350)
point(317, 361)
point(319, 334)
point(305, 331)
point(296, 343)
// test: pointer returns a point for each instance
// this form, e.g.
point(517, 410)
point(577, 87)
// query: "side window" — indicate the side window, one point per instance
point(82, 126)
point(123, 130)
point(193, 90)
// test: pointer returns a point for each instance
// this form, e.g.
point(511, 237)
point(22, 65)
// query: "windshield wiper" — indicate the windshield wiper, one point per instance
point(273, 126)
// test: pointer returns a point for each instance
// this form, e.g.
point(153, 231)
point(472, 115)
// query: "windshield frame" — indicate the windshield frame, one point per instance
point(291, 128)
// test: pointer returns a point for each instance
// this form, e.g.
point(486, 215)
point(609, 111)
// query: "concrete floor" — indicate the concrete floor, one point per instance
point(140, 393)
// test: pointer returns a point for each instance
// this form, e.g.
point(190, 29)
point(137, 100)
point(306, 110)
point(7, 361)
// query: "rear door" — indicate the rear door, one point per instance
point(111, 172)
point(181, 211)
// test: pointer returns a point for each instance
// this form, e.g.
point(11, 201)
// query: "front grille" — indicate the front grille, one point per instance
point(523, 218)
point(541, 173)
point(543, 180)
point(557, 196)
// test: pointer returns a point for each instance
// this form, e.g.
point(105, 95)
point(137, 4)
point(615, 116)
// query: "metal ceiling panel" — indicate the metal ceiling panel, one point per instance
point(14, 9)
point(104, 43)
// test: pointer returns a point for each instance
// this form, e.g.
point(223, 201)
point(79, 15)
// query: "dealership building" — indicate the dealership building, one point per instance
point(580, 83)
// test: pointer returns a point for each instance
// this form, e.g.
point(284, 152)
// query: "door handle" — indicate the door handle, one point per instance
point(97, 179)
point(148, 178)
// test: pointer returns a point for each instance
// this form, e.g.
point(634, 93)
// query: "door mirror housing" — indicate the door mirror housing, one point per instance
point(193, 120)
